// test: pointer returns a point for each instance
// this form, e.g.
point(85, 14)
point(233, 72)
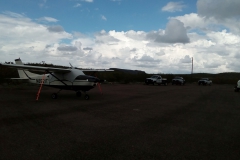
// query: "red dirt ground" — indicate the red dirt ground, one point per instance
point(132, 121)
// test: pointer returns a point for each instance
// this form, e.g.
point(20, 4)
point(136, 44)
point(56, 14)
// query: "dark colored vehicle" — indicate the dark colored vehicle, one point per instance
point(178, 81)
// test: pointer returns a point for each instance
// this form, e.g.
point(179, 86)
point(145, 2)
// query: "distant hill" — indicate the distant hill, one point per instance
point(131, 76)
point(128, 71)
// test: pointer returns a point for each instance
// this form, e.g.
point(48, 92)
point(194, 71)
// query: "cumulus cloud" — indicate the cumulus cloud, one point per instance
point(14, 15)
point(104, 37)
point(173, 7)
point(133, 50)
point(193, 21)
point(22, 37)
point(233, 65)
point(219, 9)
point(66, 48)
point(47, 19)
point(73, 50)
point(146, 58)
point(43, 4)
point(197, 23)
point(175, 33)
point(161, 53)
point(185, 59)
point(77, 5)
point(136, 35)
point(55, 29)
point(103, 17)
point(90, 1)
point(212, 64)
point(87, 49)
point(166, 50)
point(48, 46)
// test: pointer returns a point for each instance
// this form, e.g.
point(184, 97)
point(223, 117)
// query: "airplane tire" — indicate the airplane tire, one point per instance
point(86, 97)
point(54, 96)
point(236, 89)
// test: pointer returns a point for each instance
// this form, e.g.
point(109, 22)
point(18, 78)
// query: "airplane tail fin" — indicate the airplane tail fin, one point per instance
point(24, 74)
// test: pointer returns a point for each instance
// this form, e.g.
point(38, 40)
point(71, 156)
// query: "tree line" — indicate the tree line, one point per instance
point(120, 76)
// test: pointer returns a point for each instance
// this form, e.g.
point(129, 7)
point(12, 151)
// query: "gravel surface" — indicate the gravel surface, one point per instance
point(127, 121)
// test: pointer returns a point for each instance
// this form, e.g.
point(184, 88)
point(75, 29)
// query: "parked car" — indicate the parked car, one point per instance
point(237, 87)
point(178, 80)
point(156, 79)
point(205, 81)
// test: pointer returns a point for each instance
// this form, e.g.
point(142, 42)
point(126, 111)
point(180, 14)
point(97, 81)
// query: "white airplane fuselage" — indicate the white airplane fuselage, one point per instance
point(63, 81)
point(71, 79)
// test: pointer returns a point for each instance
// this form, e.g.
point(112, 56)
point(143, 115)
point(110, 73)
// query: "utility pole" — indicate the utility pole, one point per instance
point(192, 71)
point(192, 65)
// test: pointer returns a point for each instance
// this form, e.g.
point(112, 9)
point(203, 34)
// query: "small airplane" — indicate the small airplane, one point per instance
point(64, 79)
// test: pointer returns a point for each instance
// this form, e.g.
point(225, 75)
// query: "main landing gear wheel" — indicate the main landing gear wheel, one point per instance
point(86, 97)
point(54, 96)
point(78, 93)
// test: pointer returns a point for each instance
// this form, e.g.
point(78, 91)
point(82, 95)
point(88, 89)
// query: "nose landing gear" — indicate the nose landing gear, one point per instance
point(79, 94)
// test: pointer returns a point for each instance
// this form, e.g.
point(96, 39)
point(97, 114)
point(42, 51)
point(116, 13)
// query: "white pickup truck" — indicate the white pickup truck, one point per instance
point(205, 81)
point(237, 87)
point(156, 79)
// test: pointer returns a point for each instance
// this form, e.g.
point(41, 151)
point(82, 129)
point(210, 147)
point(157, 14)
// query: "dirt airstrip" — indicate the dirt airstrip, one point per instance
point(127, 121)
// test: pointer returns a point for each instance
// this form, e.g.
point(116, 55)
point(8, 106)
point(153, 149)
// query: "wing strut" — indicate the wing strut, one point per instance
point(40, 88)
point(56, 77)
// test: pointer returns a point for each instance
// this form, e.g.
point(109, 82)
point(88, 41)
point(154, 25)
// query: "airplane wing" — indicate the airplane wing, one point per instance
point(37, 68)
point(96, 70)
point(20, 78)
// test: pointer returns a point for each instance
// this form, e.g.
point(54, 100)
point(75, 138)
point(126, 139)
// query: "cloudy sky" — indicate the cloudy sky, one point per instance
point(150, 35)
